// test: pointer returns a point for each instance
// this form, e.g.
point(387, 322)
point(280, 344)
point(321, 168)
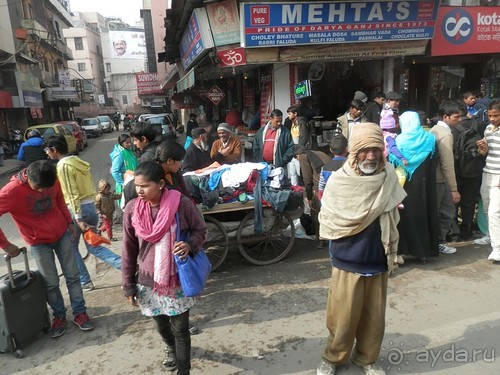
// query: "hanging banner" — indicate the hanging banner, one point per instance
point(224, 22)
point(266, 95)
point(466, 31)
point(293, 23)
point(127, 45)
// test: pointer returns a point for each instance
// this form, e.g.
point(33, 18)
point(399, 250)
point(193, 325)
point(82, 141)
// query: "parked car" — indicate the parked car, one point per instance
point(164, 124)
point(77, 132)
point(92, 127)
point(46, 130)
point(107, 124)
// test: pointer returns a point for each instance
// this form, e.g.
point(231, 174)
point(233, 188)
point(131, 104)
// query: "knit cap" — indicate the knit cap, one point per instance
point(360, 95)
point(387, 120)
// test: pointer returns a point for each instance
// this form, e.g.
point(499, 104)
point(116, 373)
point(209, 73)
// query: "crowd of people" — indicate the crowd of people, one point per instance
point(387, 188)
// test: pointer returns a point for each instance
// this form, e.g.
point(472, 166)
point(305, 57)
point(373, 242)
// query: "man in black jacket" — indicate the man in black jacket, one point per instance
point(373, 108)
point(198, 152)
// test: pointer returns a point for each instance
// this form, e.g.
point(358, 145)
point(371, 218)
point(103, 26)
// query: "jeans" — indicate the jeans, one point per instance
point(174, 331)
point(44, 257)
point(89, 216)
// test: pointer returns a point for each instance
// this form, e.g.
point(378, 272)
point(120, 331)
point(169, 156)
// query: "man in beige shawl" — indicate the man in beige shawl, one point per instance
point(359, 216)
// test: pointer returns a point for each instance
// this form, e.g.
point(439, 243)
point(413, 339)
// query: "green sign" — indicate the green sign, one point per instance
point(302, 89)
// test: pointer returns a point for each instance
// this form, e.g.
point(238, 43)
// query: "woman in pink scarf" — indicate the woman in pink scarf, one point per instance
point(149, 273)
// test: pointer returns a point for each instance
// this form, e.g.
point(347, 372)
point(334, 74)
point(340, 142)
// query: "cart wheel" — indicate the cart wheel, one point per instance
point(272, 245)
point(217, 243)
point(19, 353)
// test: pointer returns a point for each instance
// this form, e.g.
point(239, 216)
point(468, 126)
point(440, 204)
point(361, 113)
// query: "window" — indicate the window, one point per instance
point(81, 67)
point(79, 44)
point(108, 67)
point(124, 99)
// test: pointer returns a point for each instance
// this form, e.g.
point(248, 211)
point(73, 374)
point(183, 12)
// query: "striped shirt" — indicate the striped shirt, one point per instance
point(492, 137)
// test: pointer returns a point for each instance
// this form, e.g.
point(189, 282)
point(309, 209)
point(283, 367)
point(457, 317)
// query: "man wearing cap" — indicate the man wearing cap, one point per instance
point(354, 115)
point(359, 216)
point(392, 103)
point(226, 149)
point(197, 154)
point(33, 149)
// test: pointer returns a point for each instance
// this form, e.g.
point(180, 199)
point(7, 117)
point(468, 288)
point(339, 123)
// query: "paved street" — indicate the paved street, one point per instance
point(443, 317)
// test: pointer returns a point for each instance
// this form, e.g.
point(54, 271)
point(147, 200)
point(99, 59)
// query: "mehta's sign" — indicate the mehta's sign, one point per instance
point(291, 23)
point(466, 30)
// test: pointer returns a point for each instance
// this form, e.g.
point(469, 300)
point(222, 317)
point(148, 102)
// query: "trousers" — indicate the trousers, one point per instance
point(355, 310)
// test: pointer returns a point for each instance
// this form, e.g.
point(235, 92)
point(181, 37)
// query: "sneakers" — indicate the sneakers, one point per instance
point(373, 369)
point(494, 256)
point(445, 249)
point(325, 368)
point(88, 286)
point(83, 322)
point(486, 240)
point(170, 360)
point(193, 330)
point(58, 327)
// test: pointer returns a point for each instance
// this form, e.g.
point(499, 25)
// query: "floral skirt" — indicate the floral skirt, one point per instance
point(152, 304)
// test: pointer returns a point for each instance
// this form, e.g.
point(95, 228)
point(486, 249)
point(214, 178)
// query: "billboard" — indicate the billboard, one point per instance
point(147, 83)
point(267, 24)
point(127, 45)
point(466, 30)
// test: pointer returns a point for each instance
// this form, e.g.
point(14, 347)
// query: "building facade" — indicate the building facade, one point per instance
point(253, 54)
point(34, 85)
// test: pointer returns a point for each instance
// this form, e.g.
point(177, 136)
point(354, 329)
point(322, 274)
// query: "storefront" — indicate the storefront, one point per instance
point(256, 52)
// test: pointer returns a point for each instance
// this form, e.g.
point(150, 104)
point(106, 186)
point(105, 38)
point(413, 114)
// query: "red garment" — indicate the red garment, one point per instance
point(41, 217)
point(107, 226)
point(233, 118)
point(268, 148)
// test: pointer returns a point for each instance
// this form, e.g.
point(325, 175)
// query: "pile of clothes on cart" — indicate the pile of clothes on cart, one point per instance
point(217, 184)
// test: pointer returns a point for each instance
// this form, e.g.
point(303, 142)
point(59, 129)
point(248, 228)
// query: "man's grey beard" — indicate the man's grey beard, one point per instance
point(204, 146)
point(369, 166)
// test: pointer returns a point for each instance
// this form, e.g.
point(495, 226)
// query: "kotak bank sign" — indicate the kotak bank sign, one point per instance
point(467, 30)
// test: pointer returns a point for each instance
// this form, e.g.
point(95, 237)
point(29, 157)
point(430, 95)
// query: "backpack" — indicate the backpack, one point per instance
point(468, 161)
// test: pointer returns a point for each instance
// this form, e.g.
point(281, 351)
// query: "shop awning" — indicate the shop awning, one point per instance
point(186, 82)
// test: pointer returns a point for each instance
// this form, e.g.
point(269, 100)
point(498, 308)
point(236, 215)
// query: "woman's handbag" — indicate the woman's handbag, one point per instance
point(193, 271)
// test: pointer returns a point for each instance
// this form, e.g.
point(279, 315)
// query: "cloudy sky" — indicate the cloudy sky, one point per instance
point(128, 10)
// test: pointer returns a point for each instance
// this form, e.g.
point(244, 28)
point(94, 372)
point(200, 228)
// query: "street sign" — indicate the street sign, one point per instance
point(215, 94)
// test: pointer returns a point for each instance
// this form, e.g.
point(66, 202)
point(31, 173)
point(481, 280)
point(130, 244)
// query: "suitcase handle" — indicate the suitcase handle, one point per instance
point(9, 266)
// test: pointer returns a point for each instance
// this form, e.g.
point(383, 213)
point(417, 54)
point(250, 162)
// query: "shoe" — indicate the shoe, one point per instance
point(494, 256)
point(58, 327)
point(193, 330)
point(88, 286)
point(170, 360)
point(400, 260)
point(83, 322)
point(445, 249)
point(373, 369)
point(325, 368)
point(486, 240)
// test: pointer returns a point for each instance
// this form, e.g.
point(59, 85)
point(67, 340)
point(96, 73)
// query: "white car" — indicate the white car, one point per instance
point(107, 124)
point(92, 126)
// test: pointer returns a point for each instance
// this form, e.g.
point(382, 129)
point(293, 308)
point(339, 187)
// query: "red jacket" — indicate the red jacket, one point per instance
point(41, 217)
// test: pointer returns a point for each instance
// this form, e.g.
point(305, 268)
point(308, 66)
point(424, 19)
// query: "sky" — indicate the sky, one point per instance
point(128, 10)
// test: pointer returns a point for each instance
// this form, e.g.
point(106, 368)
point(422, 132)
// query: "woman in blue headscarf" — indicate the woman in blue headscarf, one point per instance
point(419, 217)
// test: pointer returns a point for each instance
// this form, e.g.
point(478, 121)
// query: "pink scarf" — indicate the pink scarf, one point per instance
point(161, 233)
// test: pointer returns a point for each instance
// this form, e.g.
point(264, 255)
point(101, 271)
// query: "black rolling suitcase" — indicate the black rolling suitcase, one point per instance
point(23, 307)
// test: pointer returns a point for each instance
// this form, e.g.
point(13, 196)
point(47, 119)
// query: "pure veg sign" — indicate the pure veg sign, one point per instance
point(215, 94)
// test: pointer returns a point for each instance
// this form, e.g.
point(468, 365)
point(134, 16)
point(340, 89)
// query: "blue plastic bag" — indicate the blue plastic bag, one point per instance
point(193, 271)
